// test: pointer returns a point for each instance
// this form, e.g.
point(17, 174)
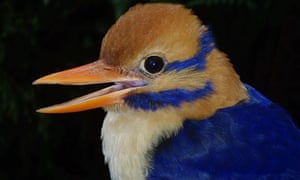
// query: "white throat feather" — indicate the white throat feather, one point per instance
point(130, 135)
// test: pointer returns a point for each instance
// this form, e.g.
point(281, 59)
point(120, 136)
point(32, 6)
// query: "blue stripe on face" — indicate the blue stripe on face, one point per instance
point(152, 101)
point(198, 61)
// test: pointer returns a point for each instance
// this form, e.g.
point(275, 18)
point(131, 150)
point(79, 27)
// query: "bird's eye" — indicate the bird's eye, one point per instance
point(153, 64)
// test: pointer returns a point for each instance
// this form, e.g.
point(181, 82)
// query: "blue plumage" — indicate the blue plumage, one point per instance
point(152, 101)
point(246, 139)
point(198, 61)
point(255, 139)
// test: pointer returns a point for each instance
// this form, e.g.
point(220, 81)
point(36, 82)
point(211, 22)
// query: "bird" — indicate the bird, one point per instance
point(177, 109)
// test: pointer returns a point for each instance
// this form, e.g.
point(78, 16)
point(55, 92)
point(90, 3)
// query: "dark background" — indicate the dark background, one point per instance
point(44, 36)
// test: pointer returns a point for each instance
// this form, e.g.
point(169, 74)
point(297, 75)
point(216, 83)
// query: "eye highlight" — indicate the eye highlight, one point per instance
point(153, 64)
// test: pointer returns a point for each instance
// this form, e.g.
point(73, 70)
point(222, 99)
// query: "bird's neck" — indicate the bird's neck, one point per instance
point(129, 136)
point(228, 90)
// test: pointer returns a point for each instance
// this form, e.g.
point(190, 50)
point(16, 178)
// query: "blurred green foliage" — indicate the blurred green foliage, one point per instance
point(44, 36)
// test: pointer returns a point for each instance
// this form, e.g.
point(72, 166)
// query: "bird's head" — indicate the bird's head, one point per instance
point(159, 56)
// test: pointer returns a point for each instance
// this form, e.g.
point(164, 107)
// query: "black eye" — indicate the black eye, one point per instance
point(154, 64)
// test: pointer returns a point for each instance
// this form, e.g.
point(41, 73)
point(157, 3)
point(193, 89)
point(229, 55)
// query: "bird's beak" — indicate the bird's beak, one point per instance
point(93, 73)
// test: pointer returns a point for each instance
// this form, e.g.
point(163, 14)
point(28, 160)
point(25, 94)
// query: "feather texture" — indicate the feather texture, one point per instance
point(194, 119)
point(151, 101)
point(254, 139)
point(198, 61)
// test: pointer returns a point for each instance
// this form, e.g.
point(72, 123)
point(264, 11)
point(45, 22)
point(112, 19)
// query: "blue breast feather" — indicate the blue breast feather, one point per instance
point(255, 139)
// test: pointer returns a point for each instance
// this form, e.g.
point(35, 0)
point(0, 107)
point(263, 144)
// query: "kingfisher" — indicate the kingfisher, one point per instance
point(177, 109)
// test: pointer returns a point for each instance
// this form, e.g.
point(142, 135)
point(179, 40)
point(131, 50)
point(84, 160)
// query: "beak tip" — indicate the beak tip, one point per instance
point(50, 110)
point(46, 80)
point(41, 110)
point(38, 81)
point(35, 82)
point(47, 110)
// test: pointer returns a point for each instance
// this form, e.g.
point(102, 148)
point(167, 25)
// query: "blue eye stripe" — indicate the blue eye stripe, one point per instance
point(198, 61)
point(151, 101)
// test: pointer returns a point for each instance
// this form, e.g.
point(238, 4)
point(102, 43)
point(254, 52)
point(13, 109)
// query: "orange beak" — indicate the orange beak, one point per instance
point(93, 73)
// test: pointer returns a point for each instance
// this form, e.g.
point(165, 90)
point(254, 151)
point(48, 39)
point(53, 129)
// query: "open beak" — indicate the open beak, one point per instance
point(93, 73)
